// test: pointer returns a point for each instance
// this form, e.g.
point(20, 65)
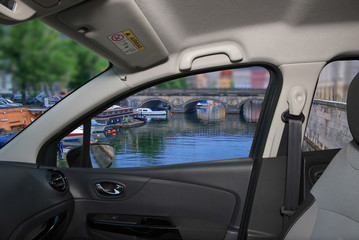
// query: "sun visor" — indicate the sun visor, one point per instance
point(120, 29)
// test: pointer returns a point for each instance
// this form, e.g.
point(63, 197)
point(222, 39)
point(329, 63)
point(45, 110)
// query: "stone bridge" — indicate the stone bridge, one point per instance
point(185, 100)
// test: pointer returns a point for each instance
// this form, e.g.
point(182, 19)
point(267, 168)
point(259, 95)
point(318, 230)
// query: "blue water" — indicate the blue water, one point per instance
point(208, 134)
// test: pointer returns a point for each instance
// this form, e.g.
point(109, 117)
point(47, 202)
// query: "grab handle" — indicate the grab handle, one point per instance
point(231, 49)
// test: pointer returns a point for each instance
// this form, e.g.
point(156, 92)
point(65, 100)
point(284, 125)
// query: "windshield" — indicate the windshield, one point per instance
point(38, 67)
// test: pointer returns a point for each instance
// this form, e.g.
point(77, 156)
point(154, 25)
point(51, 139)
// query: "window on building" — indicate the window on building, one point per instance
point(210, 116)
point(327, 126)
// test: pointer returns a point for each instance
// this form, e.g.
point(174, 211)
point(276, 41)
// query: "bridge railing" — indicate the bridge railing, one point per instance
point(201, 92)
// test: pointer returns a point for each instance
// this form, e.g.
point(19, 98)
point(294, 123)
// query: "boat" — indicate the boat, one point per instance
point(97, 127)
point(205, 104)
point(6, 138)
point(116, 115)
point(75, 135)
point(16, 118)
point(72, 140)
point(149, 111)
point(129, 124)
point(150, 118)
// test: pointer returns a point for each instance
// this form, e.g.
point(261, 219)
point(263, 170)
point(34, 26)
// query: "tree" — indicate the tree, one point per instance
point(32, 53)
point(88, 64)
point(36, 55)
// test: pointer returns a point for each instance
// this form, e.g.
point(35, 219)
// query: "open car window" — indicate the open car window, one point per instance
point(210, 116)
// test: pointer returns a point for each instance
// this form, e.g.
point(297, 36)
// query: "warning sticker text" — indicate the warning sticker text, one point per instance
point(126, 41)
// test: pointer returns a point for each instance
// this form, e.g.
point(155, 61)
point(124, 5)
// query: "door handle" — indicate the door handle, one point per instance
point(109, 189)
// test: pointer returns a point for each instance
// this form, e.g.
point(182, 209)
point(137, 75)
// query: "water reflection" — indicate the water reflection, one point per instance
point(213, 114)
point(251, 111)
point(207, 134)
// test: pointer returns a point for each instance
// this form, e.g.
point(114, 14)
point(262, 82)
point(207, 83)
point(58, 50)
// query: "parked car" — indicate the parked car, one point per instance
point(40, 98)
point(8, 103)
point(17, 98)
point(276, 76)
point(32, 101)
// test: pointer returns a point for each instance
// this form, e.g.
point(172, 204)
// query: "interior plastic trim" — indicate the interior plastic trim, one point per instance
point(231, 49)
point(20, 11)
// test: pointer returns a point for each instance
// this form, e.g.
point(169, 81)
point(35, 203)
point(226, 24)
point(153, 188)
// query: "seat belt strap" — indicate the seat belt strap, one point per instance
point(294, 118)
point(293, 166)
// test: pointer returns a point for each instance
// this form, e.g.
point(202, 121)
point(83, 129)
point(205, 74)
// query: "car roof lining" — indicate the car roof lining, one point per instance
point(275, 31)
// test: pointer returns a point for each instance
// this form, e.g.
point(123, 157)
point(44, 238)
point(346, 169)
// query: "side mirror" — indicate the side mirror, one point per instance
point(101, 155)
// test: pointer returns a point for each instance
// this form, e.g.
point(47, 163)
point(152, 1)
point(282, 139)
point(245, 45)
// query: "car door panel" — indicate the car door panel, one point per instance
point(230, 175)
point(47, 224)
point(31, 208)
point(265, 220)
point(82, 183)
point(192, 209)
point(201, 200)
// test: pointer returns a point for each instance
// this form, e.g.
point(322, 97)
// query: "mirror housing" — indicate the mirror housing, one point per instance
point(101, 155)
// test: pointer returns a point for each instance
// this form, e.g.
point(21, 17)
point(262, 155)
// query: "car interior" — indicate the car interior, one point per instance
point(277, 191)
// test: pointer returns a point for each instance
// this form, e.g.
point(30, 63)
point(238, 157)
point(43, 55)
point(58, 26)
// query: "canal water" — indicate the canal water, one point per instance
point(203, 135)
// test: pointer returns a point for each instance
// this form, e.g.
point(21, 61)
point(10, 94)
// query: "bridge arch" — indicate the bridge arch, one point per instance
point(241, 104)
point(154, 103)
point(191, 105)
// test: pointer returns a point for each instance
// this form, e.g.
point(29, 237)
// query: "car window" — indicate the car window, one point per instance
point(38, 67)
point(327, 126)
point(210, 116)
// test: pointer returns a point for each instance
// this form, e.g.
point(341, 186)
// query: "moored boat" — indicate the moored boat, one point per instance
point(97, 127)
point(120, 117)
point(149, 111)
point(75, 135)
point(130, 124)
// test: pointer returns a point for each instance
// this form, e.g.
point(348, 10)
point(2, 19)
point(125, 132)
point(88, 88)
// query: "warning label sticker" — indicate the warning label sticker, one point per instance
point(133, 39)
point(126, 41)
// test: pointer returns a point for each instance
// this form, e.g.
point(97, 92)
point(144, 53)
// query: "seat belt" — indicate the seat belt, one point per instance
point(294, 119)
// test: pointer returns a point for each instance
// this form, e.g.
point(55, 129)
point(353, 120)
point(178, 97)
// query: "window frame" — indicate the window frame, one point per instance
point(47, 155)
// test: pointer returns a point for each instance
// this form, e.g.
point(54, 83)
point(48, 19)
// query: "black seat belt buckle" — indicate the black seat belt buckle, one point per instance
point(286, 212)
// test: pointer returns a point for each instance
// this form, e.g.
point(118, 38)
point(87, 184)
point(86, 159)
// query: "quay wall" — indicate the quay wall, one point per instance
point(327, 127)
